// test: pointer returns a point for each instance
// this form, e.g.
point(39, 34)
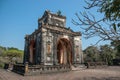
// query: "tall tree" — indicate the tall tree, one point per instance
point(104, 53)
point(107, 54)
point(106, 27)
point(91, 54)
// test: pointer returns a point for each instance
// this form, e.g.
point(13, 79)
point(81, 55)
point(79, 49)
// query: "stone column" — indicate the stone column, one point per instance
point(24, 59)
point(31, 54)
point(26, 51)
point(39, 50)
point(73, 51)
point(26, 67)
point(55, 60)
point(42, 49)
point(36, 49)
point(81, 52)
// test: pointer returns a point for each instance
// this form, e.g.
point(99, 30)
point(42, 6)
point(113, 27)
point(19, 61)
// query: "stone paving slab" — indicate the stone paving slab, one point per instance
point(109, 73)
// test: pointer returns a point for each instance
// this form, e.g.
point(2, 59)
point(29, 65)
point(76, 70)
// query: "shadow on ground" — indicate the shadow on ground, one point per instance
point(94, 78)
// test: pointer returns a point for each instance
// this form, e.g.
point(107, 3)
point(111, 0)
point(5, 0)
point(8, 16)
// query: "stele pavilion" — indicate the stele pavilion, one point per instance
point(52, 47)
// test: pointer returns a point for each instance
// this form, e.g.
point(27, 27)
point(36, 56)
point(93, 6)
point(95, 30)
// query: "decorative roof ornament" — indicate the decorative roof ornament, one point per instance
point(59, 13)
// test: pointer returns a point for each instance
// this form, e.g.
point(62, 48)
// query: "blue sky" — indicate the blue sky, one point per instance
point(19, 17)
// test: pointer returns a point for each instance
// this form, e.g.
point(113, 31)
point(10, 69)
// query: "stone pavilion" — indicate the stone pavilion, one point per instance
point(52, 47)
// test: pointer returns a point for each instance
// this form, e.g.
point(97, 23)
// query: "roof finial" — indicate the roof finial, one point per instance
point(59, 13)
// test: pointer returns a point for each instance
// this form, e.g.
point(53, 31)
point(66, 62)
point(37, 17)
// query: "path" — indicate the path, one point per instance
point(110, 73)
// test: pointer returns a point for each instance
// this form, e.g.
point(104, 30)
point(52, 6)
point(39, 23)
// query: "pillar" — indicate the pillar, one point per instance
point(55, 60)
point(26, 51)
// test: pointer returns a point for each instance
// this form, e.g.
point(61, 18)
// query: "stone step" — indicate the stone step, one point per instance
point(80, 67)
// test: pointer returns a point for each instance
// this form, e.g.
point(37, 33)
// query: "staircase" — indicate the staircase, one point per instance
point(78, 67)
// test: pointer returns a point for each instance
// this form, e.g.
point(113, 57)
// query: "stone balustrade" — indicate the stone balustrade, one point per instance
point(40, 69)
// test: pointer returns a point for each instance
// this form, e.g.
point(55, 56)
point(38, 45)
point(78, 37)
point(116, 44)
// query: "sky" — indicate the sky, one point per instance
point(19, 17)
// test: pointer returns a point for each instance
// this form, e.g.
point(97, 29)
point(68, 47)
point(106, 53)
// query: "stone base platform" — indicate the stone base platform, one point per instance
point(40, 69)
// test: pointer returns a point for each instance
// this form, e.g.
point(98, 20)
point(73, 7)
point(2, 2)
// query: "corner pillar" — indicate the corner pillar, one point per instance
point(55, 60)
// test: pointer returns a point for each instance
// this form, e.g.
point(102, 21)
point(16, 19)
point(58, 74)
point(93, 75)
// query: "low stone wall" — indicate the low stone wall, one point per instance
point(19, 68)
point(95, 64)
point(40, 69)
point(33, 70)
point(8, 66)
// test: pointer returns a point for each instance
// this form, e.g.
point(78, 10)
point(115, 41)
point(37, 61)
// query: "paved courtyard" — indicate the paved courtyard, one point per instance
point(109, 73)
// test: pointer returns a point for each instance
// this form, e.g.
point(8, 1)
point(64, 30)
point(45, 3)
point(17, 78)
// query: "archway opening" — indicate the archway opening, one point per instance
point(64, 51)
point(32, 52)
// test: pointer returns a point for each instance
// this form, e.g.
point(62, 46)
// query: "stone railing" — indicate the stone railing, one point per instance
point(37, 69)
point(19, 68)
point(8, 66)
point(40, 69)
point(95, 64)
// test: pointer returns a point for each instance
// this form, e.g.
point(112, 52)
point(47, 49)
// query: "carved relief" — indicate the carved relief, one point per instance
point(48, 48)
point(77, 50)
point(77, 53)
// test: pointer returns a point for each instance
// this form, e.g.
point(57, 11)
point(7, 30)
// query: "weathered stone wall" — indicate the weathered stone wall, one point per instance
point(78, 50)
point(47, 38)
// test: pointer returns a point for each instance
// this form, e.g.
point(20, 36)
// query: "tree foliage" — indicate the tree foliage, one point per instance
point(91, 54)
point(104, 53)
point(110, 9)
point(107, 54)
point(106, 27)
point(10, 55)
point(13, 53)
point(2, 49)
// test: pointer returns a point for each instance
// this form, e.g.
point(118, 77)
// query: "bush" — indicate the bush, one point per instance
point(1, 65)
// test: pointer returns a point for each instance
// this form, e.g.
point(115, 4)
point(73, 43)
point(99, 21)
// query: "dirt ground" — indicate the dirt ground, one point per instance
point(109, 73)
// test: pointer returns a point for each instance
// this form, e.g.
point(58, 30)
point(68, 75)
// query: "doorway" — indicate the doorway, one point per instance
point(32, 52)
point(64, 51)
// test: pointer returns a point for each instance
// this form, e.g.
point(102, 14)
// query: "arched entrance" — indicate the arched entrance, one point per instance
point(32, 52)
point(64, 51)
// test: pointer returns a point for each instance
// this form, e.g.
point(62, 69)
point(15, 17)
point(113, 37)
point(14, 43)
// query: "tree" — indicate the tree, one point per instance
point(110, 8)
point(2, 50)
point(104, 53)
point(10, 54)
point(91, 54)
point(12, 48)
point(108, 27)
point(107, 54)
point(13, 55)
point(117, 48)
